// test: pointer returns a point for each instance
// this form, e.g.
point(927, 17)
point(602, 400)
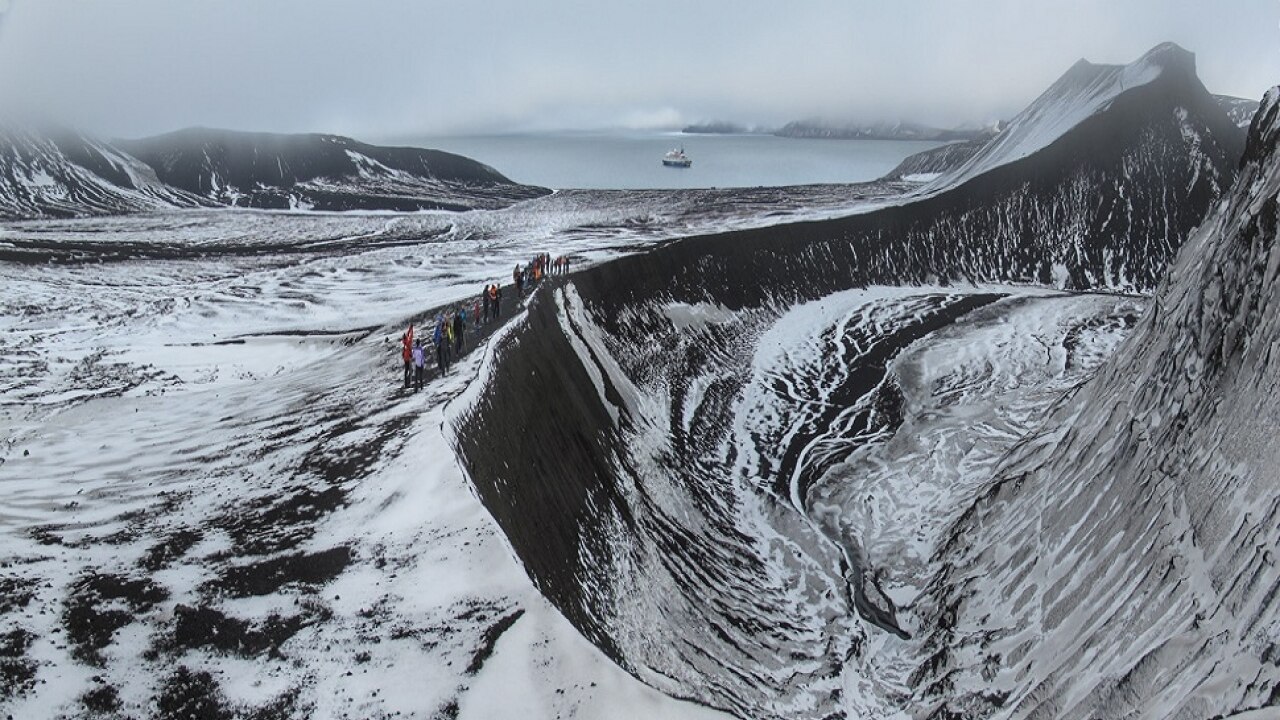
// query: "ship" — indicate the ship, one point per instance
point(677, 158)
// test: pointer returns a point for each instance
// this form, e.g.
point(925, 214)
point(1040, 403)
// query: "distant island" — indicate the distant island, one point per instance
point(876, 131)
point(723, 127)
point(822, 129)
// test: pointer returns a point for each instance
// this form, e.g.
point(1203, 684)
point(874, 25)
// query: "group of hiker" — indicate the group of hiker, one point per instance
point(541, 266)
point(447, 339)
point(449, 333)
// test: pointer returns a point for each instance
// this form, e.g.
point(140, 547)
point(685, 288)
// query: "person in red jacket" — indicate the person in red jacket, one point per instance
point(406, 352)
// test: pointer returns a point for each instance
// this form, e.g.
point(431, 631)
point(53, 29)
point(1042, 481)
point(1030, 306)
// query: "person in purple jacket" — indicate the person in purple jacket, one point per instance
point(419, 364)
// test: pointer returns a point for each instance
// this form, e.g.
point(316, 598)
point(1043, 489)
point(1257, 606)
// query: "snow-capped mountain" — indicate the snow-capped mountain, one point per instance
point(1095, 184)
point(64, 174)
point(1240, 110)
point(60, 173)
point(321, 172)
point(1164, 80)
point(1085, 90)
point(1123, 561)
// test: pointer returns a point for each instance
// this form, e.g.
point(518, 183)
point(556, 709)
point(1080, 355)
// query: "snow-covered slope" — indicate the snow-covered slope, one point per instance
point(733, 462)
point(1123, 563)
point(59, 173)
point(1240, 110)
point(322, 172)
point(63, 174)
point(219, 504)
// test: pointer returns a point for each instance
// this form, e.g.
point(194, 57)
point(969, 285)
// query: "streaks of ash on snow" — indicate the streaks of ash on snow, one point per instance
point(1137, 529)
point(666, 537)
point(716, 479)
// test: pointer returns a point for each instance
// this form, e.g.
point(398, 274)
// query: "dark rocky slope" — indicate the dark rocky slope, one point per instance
point(1123, 563)
point(321, 172)
point(940, 159)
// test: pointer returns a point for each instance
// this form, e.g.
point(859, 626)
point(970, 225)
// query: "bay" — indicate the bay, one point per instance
point(633, 159)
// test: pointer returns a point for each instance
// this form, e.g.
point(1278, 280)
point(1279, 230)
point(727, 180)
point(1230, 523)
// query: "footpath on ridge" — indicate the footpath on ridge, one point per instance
point(475, 334)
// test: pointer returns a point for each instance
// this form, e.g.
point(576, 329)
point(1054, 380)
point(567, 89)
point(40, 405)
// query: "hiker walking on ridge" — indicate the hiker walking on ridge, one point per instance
point(448, 339)
point(459, 327)
point(484, 299)
point(419, 364)
point(406, 353)
point(442, 347)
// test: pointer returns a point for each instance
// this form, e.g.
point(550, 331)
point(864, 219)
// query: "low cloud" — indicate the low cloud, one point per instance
point(404, 67)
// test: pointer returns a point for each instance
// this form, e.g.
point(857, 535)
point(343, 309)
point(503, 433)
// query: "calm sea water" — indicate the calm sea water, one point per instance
point(633, 160)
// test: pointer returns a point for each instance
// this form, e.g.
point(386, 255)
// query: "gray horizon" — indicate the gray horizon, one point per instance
point(401, 69)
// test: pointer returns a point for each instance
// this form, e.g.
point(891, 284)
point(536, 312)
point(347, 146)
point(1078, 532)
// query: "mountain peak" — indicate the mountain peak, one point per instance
point(1165, 58)
point(1168, 53)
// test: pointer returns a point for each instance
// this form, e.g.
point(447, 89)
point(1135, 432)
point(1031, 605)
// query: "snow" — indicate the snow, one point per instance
point(39, 178)
point(189, 390)
point(174, 395)
point(689, 316)
point(922, 177)
point(371, 169)
point(969, 391)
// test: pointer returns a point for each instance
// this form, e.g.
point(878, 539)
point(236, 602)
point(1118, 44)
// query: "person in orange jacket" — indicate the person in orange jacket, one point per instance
point(406, 352)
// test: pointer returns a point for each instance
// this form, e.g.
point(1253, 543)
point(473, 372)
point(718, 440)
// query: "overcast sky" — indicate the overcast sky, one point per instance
point(388, 68)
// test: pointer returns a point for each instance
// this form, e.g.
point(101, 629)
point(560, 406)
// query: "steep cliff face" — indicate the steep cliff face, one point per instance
point(1124, 562)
